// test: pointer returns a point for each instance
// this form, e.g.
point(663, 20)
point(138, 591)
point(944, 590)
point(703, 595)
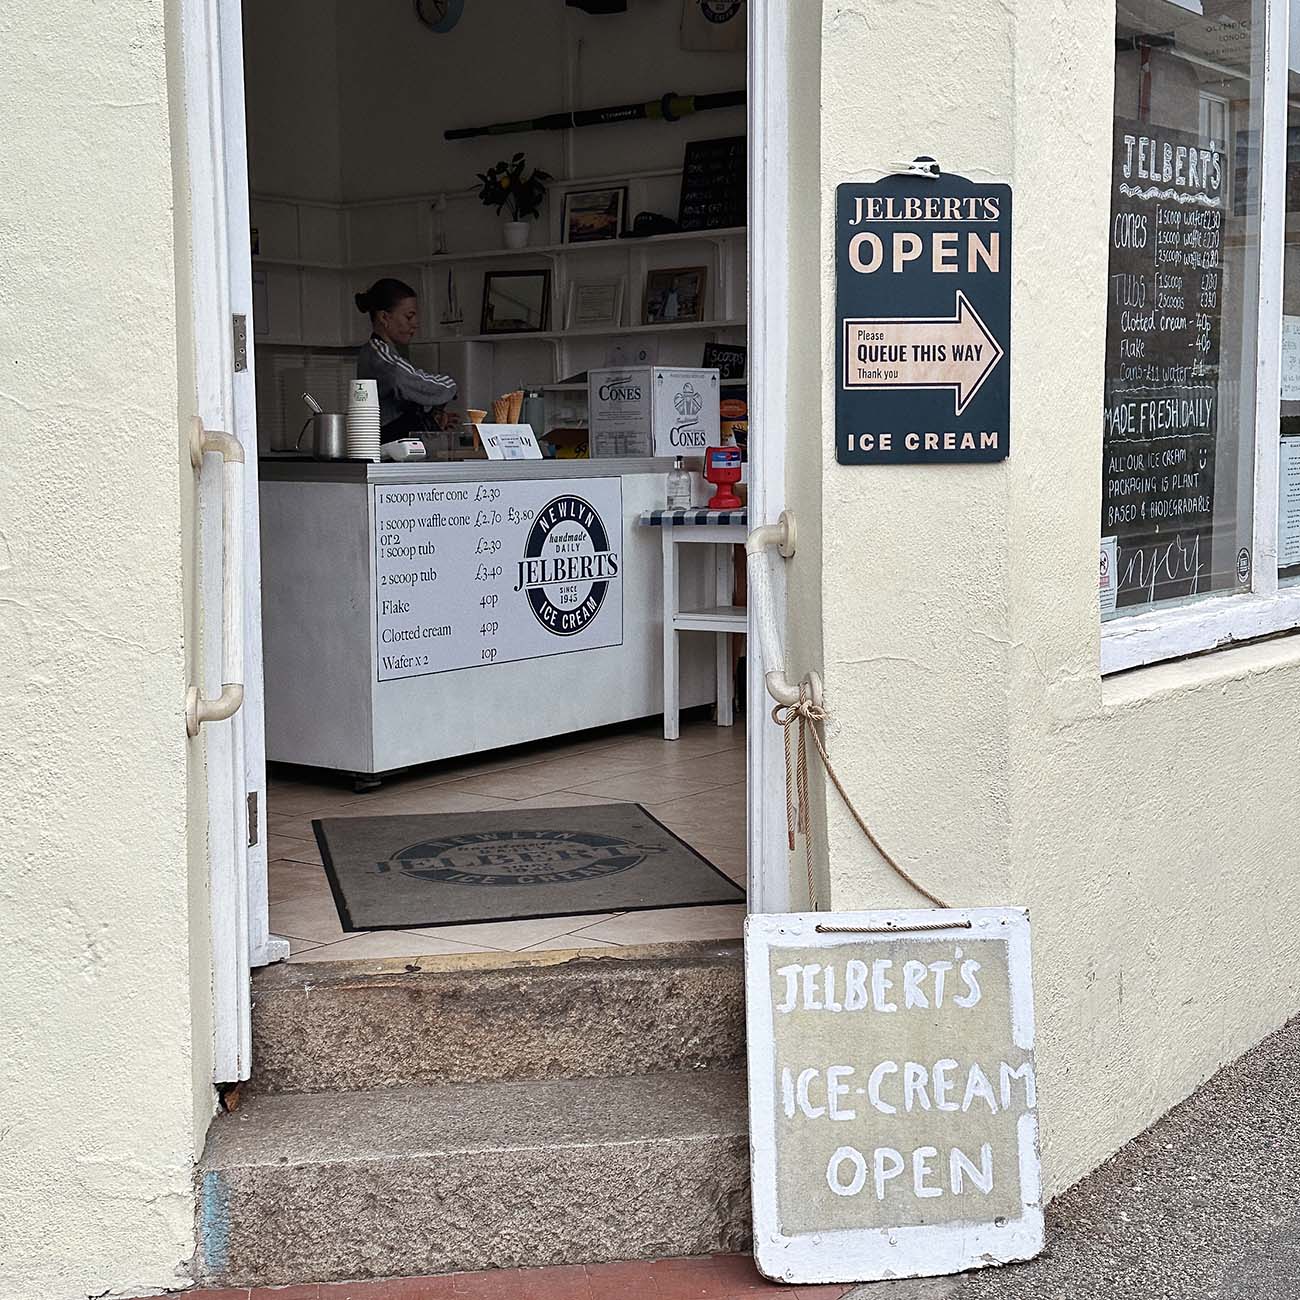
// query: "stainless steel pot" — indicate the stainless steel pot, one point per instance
point(329, 435)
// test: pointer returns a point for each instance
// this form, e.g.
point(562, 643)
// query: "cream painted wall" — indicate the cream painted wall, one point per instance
point(98, 1111)
point(1146, 821)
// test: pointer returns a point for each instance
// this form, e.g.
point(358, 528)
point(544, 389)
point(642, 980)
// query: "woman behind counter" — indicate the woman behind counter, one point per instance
point(410, 399)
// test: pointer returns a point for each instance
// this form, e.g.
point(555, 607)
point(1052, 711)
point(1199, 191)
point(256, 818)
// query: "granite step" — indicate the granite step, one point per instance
point(348, 1026)
point(406, 1181)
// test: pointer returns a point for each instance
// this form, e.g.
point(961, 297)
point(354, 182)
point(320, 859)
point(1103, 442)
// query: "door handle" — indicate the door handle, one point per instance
point(197, 709)
point(780, 536)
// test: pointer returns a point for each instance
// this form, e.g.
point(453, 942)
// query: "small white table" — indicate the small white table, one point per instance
point(721, 529)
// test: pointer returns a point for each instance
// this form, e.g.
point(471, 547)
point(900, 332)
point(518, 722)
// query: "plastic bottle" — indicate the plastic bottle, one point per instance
point(679, 487)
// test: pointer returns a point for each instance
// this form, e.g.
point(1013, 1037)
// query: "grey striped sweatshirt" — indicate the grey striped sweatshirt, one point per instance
point(404, 389)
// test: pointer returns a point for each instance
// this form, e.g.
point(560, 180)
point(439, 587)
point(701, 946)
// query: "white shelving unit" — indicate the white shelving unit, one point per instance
point(548, 336)
point(628, 243)
point(315, 255)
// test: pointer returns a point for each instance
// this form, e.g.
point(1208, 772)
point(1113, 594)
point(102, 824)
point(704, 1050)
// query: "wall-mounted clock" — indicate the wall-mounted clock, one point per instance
point(439, 15)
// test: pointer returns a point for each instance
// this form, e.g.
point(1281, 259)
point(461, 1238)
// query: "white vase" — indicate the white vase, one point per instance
point(515, 233)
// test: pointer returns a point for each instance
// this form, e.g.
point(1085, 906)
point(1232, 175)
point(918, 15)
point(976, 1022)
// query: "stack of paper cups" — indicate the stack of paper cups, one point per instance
point(363, 420)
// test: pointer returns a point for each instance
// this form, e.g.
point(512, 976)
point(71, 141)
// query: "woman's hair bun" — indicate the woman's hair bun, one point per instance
point(383, 295)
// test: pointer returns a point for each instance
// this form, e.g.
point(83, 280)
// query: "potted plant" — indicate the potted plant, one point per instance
point(506, 188)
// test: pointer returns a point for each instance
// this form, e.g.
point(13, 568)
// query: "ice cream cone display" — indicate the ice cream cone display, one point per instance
point(507, 408)
point(475, 417)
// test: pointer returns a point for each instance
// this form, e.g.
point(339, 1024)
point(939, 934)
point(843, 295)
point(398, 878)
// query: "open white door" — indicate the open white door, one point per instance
point(222, 305)
point(769, 301)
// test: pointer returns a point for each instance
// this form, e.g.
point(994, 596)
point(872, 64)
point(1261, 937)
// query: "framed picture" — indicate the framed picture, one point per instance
point(516, 302)
point(596, 303)
point(591, 215)
point(675, 293)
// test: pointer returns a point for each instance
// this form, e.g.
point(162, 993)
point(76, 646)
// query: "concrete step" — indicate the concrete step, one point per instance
point(409, 1181)
point(354, 1026)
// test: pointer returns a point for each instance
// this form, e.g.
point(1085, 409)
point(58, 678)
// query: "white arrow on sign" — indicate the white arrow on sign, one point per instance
point(956, 352)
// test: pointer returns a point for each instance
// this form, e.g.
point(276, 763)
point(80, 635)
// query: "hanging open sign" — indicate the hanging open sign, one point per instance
point(923, 306)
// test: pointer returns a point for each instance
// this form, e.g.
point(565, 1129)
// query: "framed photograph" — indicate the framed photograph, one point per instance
point(590, 215)
point(675, 293)
point(516, 302)
point(596, 303)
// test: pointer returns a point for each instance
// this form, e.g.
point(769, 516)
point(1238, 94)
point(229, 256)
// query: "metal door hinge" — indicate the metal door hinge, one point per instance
point(240, 330)
point(252, 818)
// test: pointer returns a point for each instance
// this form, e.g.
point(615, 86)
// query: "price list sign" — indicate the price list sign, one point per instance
point(1164, 324)
point(473, 574)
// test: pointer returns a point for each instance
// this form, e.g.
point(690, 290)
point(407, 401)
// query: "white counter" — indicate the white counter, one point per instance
point(421, 612)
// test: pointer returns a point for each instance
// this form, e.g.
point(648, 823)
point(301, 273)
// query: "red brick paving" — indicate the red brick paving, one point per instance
point(710, 1277)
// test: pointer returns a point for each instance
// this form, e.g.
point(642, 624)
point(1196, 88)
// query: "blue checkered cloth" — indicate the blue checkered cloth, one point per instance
point(694, 515)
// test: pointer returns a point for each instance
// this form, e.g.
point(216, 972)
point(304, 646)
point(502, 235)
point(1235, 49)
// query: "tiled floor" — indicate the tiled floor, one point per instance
point(710, 1277)
point(695, 786)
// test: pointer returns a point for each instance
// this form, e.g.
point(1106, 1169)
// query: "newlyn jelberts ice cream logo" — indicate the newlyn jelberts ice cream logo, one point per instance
point(568, 565)
point(720, 11)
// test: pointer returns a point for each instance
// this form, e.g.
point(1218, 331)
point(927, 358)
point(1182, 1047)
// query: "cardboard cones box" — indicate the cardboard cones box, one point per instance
point(653, 411)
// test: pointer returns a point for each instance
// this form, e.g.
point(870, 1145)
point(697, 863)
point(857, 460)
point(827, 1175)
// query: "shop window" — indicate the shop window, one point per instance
point(1288, 540)
point(1198, 547)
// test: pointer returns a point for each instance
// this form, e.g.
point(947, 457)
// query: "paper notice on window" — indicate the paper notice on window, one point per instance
point(1107, 579)
point(1288, 503)
point(1291, 358)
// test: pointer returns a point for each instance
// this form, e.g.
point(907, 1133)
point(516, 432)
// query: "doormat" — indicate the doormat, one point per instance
point(411, 872)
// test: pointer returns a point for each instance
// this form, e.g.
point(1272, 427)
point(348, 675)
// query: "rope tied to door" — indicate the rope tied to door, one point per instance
point(805, 718)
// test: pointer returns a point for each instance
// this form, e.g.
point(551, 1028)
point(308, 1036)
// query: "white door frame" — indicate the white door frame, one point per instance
point(769, 307)
point(212, 40)
point(221, 281)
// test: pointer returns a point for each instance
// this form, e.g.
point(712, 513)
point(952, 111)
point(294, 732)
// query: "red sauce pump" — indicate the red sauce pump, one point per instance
point(723, 466)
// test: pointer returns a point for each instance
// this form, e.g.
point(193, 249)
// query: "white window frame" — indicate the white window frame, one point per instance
point(1129, 641)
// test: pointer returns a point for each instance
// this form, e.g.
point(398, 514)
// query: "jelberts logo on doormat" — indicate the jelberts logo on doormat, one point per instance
point(568, 565)
point(521, 857)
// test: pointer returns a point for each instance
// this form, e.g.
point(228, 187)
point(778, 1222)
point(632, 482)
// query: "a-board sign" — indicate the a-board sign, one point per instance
point(893, 1110)
point(468, 575)
point(1163, 337)
point(923, 320)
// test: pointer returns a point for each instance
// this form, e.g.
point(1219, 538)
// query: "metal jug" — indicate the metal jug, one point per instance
point(329, 435)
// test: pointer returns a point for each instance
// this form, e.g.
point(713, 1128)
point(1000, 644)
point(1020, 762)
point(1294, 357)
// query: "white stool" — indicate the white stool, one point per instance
point(721, 529)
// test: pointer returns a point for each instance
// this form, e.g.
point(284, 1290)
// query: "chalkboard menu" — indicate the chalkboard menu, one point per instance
point(1163, 333)
point(713, 184)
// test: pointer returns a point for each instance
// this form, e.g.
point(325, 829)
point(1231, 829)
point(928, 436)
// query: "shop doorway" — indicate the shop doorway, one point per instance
point(331, 211)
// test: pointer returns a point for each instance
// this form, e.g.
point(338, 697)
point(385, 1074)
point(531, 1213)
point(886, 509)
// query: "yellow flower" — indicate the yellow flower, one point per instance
point(505, 182)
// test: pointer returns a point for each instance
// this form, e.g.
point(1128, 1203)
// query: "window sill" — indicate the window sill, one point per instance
point(1211, 624)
